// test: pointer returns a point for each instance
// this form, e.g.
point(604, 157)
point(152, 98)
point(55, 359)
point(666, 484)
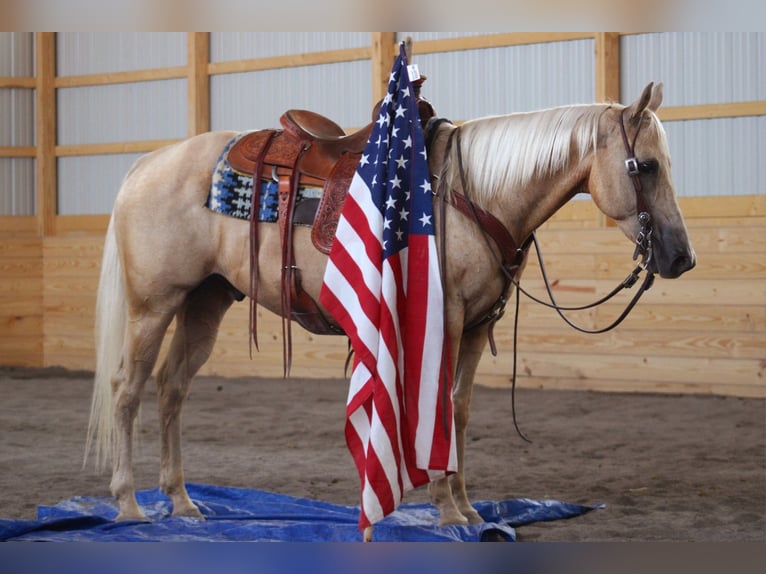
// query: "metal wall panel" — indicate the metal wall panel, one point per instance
point(89, 184)
point(474, 83)
point(712, 157)
point(17, 117)
point(718, 157)
point(17, 186)
point(254, 100)
point(17, 54)
point(80, 53)
point(17, 124)
point(227, 46)
point(425, 36)
point(122, 112)
point(696, 67)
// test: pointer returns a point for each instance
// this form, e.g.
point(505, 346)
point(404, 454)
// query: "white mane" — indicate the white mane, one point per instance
point(503, 152)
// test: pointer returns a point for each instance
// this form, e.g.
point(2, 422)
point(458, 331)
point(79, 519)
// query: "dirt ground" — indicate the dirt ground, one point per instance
point(667, 467)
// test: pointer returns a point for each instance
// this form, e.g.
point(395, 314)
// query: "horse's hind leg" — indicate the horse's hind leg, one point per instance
point(449, 494)
point(197, 323)
point(142, 344)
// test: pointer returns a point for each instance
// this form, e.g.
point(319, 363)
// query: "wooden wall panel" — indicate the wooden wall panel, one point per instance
point(21, 313)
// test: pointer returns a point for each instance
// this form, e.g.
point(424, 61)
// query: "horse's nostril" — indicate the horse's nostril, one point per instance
point(683, 264)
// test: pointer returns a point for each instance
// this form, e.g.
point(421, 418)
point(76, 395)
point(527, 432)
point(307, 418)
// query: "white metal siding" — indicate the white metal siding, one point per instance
point(475, 83)
point(17, 117)
point(81, 53)
point(718, 157)
point(122, 112)
point(89, 184)
point(696, 67)
point(17, 54)
point(17, 124)
point(714, 157)
point(425, 36)
point(254, 100)
point(227, 46)
point(17, 186)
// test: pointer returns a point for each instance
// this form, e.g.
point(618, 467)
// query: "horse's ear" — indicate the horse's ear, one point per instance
point(656, 100)
point(636, 108)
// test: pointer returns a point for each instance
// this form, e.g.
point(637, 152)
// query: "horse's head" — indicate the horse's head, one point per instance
point(631, 175)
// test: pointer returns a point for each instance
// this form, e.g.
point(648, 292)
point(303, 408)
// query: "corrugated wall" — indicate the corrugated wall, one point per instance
point(17, 124)
point(135, 111)
point(710, 157)
point(475, 83)
point(257, 99)
point(254, 100)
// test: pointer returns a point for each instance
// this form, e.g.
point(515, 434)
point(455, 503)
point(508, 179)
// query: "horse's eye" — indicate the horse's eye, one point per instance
point(650, 166)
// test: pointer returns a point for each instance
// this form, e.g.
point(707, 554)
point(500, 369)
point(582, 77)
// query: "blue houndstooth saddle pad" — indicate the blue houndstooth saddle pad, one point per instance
point(231, 192)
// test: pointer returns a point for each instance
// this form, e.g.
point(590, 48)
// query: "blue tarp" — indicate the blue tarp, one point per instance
point(237, 514)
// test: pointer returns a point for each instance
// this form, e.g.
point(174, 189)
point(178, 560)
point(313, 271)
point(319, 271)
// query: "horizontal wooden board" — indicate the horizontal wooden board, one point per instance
point(13, 326)
point(612, 386)
point(619, 367)
point(20, 247)
point(665, 343)
point(729, 319)
point(21, 351)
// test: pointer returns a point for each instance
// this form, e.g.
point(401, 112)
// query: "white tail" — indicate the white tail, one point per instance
point(111, 316)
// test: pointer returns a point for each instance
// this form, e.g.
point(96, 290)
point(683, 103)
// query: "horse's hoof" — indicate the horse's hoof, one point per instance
point(453, 519)
point(188, 512)
point(473, 517)
point(131, 516)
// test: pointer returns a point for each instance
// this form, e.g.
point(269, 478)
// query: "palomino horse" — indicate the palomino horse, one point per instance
point(167, 256)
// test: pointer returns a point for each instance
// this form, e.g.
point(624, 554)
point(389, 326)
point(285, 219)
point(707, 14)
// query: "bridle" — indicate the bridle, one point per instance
point(644, 238)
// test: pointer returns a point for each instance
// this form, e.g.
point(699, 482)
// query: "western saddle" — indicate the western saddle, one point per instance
point(311, 151)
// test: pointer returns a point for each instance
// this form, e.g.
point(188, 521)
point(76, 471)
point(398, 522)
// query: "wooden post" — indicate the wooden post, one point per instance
point(383, 54)
point(607, 54)
point(607, 67)
point(198, 94)
point(45, 149)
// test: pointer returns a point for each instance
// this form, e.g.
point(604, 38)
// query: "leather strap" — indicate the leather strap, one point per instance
point(255, 203)
point(288, 192)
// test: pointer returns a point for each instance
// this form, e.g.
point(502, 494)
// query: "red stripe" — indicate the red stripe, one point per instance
point(356, 218)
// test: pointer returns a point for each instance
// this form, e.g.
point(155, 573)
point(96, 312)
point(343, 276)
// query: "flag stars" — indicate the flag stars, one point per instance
point(396, 182)
point(403, 213)
point(401, 163)
point(425, 220)
point(390, 203)
point(426, 187)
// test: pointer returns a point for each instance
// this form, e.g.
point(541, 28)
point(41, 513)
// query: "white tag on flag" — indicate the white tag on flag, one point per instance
point(413, 72)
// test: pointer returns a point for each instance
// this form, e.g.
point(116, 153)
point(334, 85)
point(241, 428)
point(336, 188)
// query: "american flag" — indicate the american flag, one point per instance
point(382, 285)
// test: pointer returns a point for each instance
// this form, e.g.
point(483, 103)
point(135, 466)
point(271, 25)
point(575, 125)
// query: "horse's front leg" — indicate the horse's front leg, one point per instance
point(449, 494)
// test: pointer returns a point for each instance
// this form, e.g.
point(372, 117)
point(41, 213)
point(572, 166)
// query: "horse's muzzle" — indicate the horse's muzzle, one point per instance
point(678, 265)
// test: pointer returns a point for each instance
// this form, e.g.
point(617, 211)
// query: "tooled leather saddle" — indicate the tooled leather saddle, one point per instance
point(310, 151)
